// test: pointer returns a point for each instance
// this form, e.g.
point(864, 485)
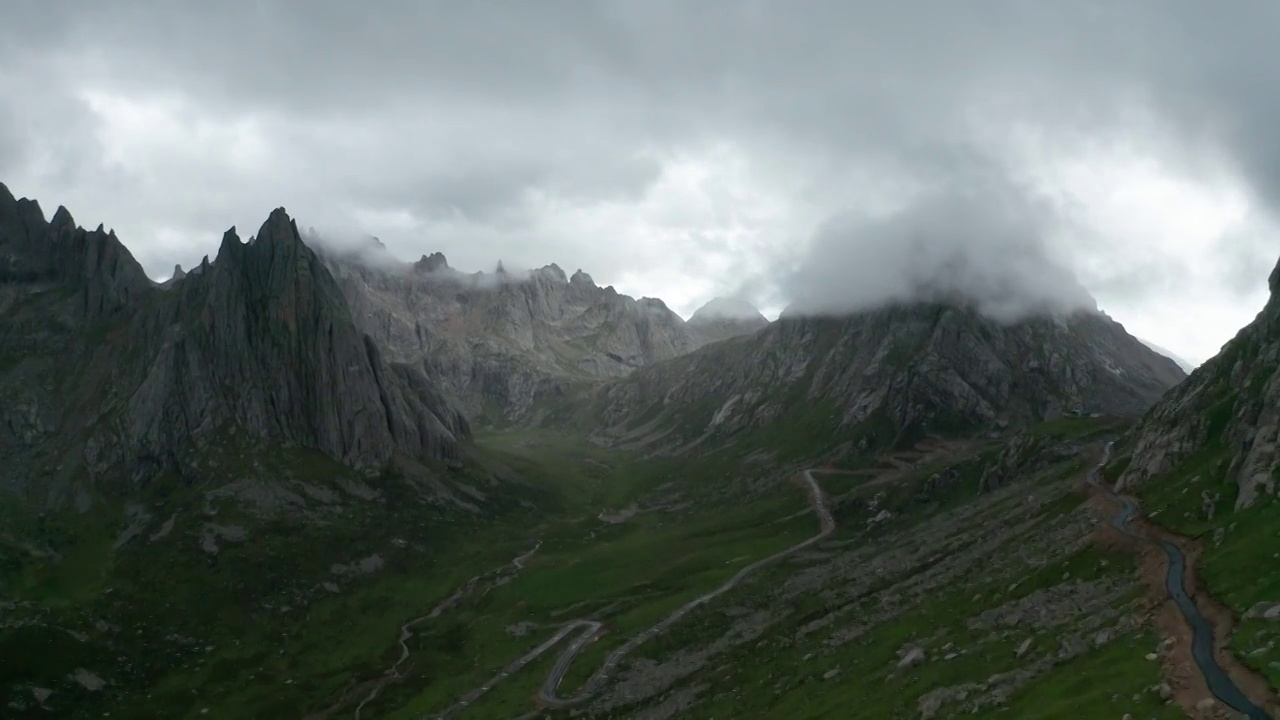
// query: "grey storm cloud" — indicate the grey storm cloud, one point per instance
point(533, 132)
point(967, 246)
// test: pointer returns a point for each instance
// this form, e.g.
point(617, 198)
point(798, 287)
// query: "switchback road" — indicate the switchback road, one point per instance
point(588, 629)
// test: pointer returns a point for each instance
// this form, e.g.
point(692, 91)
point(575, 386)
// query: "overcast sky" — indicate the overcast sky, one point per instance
point(780, 151)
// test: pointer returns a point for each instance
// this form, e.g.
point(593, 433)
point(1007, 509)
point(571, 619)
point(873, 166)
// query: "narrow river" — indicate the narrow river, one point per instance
point(1219, 682)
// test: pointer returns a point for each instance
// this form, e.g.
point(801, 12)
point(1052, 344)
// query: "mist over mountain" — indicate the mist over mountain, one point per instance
point(1186, 365)
point(505, 343)
point(986, 251)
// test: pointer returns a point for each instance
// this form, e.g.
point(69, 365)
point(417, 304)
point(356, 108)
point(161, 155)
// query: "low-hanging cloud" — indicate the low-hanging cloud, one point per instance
point(988, 252)
point(671, 148)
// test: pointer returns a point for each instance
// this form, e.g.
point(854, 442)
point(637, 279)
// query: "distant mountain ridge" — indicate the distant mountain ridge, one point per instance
point(503, 344)
point(1186, 365)
point(883, 376)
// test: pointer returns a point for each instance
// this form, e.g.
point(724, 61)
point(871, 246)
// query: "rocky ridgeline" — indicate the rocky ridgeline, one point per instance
point(1229, 409)
point(891, 373)
point(501, 342)
point(106, 376)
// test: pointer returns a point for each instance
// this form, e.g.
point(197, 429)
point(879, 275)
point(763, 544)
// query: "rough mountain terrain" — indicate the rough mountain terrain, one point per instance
point(1202, 463)
point(248, 492)
point(881, 376)
point(501, 342)
point(106, 377)
point(1228, 410)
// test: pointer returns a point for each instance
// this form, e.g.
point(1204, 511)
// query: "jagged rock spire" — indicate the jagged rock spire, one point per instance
point(62, 219)
point(431, 263)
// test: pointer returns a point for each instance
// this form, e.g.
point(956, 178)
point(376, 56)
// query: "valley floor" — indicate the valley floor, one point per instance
point(922, 598)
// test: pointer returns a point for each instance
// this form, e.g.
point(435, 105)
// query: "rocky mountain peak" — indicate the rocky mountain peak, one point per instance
point(893, 373)
point(178, 274)
point(722, 318)
point(13, 206)
point(653, 303)
point(103, 272)
point(554, 272)
point(500, 342)
point(30, 212)
point(1227, 414)
point(279, 229)
point(229, 246)
point(431, 263)
point(62, 219)
point(723, 308)
point(274, 262)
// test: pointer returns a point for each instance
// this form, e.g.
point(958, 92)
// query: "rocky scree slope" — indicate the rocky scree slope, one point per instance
point(884, 376)
point(1227, 414)
point(501, 342)
point(107, 377)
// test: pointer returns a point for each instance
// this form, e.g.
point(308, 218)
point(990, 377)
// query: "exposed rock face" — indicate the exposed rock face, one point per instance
point(890, 373)
point(105, 376)
point(1227, 412)
point(178, 274)
point(723, 318)
point(105, 278)
point(500, 342)
point(431, 263)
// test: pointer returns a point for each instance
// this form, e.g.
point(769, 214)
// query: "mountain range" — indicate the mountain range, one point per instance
point(501, 343)
point(304, 481)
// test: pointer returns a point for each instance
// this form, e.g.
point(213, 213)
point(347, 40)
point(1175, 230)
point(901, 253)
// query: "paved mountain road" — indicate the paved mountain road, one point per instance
point(1219, 682)
point(588, 630)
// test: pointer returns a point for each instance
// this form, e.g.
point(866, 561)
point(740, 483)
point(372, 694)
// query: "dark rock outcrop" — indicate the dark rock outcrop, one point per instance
point(107, 377)
point(1227, 414)
point(178, 274)
point(106, 278)
point(431, 263)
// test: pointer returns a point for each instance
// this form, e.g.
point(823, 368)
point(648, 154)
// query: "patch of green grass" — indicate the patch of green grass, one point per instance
point(861, 679)
point(1256, 645)
point(1176, 500)
point(1107, 682)
point(1240, 563)
point(268, 639)
point(1069, 427)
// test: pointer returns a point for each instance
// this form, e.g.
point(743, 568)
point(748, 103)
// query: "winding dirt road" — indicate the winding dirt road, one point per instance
point(406, 630)
point(588, 630)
